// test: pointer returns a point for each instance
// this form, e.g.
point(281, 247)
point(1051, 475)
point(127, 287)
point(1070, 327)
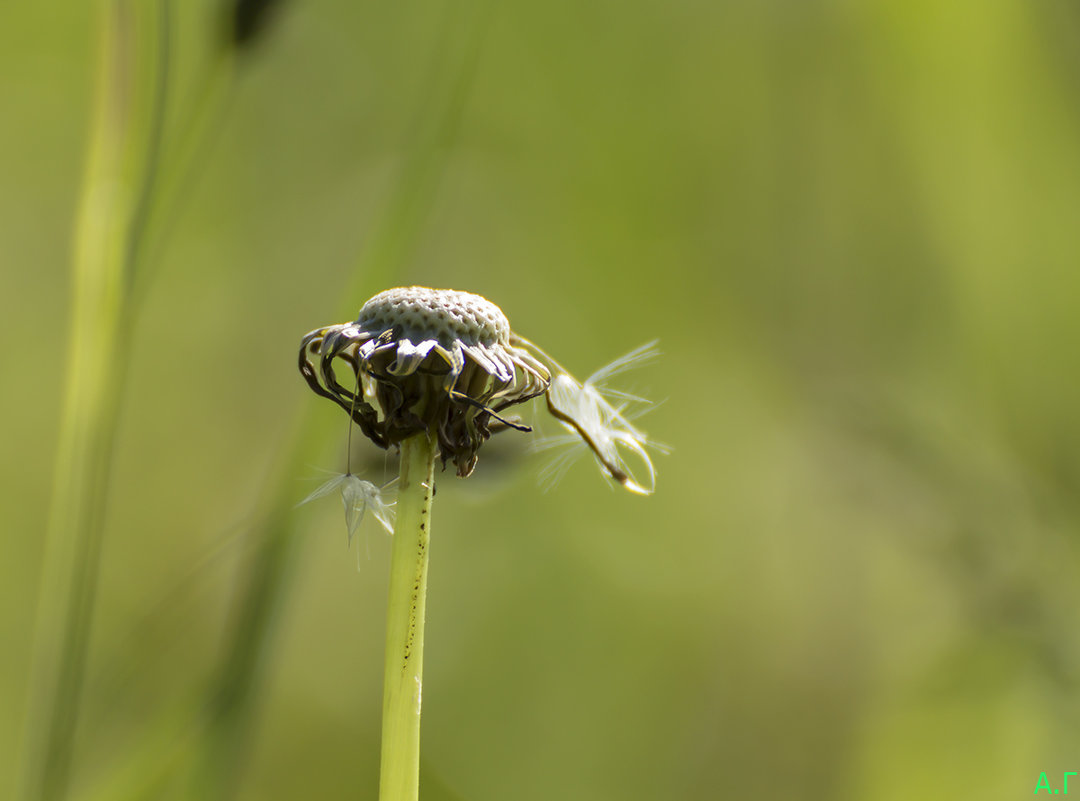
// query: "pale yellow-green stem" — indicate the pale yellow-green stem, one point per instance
point(399, 775)
point(95, 370)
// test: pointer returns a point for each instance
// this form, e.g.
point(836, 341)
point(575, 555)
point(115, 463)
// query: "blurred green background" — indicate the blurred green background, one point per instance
point(853, 228)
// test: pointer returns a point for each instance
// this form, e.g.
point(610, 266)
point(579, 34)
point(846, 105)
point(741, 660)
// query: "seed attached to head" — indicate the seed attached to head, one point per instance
point(600, 417)
point(425, 360)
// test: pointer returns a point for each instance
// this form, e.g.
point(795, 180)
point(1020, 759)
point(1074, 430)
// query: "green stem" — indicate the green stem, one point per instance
point(399, 777)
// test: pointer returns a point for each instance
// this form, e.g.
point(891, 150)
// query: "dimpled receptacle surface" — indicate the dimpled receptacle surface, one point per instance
point(417, 313)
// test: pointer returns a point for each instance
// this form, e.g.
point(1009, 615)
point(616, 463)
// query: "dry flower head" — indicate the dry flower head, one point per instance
point(446, 363)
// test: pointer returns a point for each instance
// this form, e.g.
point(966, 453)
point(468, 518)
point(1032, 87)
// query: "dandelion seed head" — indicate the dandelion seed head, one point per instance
point(436, 361)
point(419, 314)
point(447, 364)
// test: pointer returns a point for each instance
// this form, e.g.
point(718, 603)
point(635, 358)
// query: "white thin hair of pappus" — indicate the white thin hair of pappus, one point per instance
point(636, 358)
point(358, 495)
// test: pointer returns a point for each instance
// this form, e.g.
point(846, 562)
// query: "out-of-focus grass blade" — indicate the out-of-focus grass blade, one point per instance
point(119, 181)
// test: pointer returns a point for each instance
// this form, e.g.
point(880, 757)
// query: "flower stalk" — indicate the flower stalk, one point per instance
point(434, 371)
point(399, 775)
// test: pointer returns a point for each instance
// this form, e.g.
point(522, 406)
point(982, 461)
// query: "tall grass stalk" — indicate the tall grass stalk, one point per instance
point(120, 172)
point(399, 775)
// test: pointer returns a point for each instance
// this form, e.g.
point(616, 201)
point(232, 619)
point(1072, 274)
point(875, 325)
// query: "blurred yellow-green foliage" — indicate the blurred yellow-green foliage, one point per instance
point(852, 226)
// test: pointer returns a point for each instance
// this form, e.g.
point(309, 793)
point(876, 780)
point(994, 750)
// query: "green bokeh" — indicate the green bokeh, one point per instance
point(852, 226)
